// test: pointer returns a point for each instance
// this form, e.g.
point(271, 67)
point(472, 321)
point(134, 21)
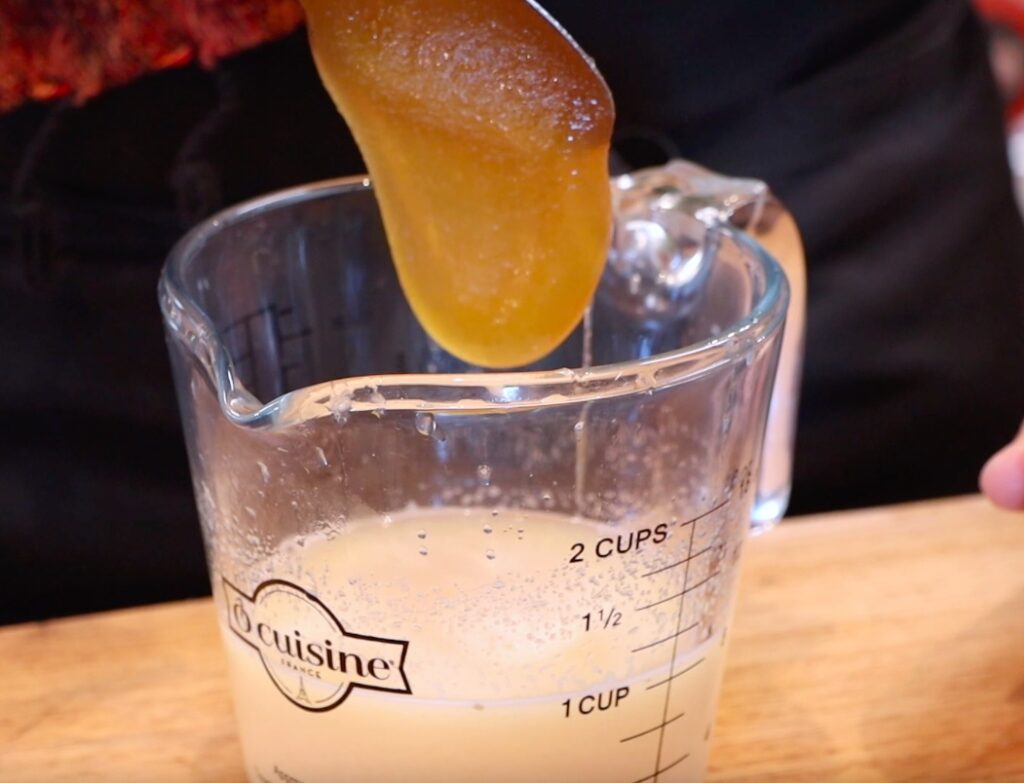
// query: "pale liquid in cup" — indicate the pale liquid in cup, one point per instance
point(540, 648)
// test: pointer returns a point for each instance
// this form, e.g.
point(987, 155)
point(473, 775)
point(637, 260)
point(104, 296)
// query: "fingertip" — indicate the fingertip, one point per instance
point(1002, 478)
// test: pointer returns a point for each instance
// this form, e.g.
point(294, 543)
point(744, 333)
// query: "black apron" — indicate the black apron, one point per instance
point(876, 122)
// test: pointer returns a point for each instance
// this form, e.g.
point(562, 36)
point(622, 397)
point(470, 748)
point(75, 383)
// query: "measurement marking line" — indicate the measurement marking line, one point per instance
point(666, 639)
point(662, 601)
point(701, 583)
point(672, 665)
point(655, 728)
point(685, 560)
point(679, 673)
point(666, 768)
point(689, 589)
point(707, 513)
point(261, 312)
point(299, 335)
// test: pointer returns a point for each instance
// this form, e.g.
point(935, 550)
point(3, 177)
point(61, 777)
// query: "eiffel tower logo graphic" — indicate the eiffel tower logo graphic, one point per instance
point(301, 695)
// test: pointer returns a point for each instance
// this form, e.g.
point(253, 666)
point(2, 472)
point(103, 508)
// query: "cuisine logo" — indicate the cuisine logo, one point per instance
point(314, 662)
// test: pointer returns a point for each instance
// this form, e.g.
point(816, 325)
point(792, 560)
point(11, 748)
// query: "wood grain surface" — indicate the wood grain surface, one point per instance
point(881, 645)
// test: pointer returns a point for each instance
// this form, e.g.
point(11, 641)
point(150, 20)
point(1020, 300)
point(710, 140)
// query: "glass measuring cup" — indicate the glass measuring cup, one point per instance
point(423, 572)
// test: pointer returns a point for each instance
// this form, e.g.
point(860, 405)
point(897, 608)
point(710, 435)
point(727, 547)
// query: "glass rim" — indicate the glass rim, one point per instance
point(469, 392)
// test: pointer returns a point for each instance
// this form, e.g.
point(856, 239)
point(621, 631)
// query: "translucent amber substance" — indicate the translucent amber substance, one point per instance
point(486, 133)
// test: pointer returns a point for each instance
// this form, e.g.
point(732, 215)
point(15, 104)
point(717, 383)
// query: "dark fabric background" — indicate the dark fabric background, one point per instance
point(876, 122)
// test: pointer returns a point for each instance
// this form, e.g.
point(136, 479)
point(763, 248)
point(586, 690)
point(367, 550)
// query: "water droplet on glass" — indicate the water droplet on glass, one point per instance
point(386, 520)
point(264, 471)
point(321, 456)
point(425, 423)
point(488, 529)
point(340, 404)
point(423, 551)
point(483, 472)
point(380, 401)
point(490, 554)
point(422, 534)
point(578, 426)
point(494, 512)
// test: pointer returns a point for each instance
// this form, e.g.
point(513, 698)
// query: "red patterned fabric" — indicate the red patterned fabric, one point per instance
point(53, 48)
point(1009, 13)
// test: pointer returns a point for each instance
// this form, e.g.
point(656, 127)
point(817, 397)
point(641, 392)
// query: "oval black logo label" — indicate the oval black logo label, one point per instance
point(314, 662)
